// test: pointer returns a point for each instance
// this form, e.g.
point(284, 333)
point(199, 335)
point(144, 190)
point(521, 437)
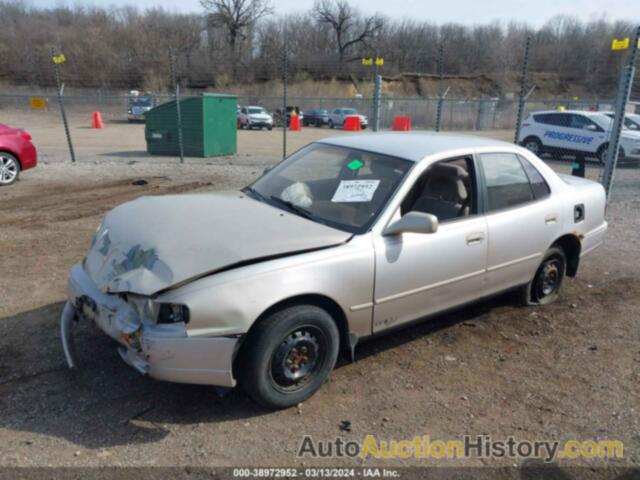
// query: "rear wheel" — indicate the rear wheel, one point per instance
point(545, 286)
point(9, 168)
point(533, 144)
point(602, 153)
point(288, 356)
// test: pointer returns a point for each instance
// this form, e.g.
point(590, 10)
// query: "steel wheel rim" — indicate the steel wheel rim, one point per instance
point(532, 147)
point(549, 279)
point(298, 357)
point(8, 169)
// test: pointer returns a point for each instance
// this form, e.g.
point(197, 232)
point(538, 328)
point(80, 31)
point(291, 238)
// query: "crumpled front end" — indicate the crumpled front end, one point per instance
point(164, 351)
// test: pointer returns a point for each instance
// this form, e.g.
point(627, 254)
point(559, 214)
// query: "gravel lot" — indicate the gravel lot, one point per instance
point(565, 371)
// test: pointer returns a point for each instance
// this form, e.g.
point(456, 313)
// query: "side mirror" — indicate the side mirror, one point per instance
point(267, 170)
point(413, 222)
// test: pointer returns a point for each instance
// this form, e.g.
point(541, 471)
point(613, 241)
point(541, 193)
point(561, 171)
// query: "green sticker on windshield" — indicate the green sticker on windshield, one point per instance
point(355, 165)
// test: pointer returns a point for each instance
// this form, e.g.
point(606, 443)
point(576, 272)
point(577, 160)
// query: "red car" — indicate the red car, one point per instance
point(16, 153)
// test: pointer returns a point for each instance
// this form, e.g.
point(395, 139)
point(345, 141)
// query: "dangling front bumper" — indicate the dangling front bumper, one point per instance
point(163, 351)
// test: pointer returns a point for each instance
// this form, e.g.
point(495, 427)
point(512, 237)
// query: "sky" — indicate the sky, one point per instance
point(533, 12)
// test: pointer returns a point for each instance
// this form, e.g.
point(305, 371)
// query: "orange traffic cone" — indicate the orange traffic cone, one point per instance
point(401, 124)
point(97, 120)
point(294, 122)
point(352, 123)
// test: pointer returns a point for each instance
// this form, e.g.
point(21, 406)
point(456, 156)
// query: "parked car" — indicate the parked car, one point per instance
point(138, 106)
point(575, 133)
point(17, 153)
point(631, 120)
point(349, 237)
point(338, 115)
point(278, 115)
point(254, 117)
point(316, 117)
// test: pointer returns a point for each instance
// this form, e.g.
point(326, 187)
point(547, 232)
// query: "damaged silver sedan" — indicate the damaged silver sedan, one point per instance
point(347, 238)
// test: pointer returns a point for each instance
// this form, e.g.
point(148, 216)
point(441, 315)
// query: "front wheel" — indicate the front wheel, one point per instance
point(545, 286)
point(9, 169)
point(331, 124)
point(288, 355)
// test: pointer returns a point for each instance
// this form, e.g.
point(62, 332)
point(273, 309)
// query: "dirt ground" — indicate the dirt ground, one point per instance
point(560, 372)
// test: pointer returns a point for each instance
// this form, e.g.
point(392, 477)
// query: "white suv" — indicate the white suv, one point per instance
point(631, 120)
point(338, 116)
point(575, 133)
point(254, 117)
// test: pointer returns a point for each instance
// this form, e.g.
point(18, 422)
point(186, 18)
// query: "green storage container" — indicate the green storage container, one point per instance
point(208, 126)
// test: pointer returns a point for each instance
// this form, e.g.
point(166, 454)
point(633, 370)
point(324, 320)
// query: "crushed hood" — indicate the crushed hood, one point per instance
point(153, 243)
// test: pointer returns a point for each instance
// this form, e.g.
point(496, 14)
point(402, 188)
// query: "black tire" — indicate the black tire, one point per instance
point(534, 145)
point(602, 153)
point(545, 286)
point(269, 128)
point(305, 335)
point(331, 125)
point(9, 169)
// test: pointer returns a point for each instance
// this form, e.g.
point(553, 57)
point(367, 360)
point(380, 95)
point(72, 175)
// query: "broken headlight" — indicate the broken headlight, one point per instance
point(173, 313)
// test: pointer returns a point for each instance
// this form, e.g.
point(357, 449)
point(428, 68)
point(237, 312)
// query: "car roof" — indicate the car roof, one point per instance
point(411, 146)
point(579, 112)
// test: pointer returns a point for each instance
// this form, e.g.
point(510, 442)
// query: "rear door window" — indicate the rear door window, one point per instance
point(539, 186)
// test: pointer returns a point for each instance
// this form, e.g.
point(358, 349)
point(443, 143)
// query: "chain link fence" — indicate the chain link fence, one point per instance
point(581, 127)
point(458, 114)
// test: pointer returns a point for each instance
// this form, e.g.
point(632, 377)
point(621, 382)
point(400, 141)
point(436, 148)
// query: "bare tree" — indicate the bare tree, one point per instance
point(349, 28)
point(236, 17)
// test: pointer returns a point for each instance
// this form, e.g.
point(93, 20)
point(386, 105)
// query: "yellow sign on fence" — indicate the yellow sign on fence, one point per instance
point(379, 61)
point(622, 44)
point(57, 59)
point(38, 103)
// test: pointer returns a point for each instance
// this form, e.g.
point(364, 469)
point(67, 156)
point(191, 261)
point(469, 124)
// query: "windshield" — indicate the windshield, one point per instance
point(254, 110)
point(350, 111)
point(340, 187)
point(632, 121)
point(142, 102)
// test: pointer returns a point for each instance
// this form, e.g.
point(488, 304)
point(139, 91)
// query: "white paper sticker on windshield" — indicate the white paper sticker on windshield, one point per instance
point(355, 191)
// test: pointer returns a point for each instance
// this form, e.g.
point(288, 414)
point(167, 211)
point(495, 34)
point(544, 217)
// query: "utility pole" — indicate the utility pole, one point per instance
point(440, 86)
point(377, 95)
point(624, 90)
point(285, 79)
point(57, 60)
point(523, 88)
point(377, 92)
point(176, 90)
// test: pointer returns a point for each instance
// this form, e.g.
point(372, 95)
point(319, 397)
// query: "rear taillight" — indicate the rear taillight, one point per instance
point(26, 136)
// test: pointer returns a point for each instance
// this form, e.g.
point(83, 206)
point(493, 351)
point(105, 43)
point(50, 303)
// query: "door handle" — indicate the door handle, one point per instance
point(475, 238)
point(551, 218)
